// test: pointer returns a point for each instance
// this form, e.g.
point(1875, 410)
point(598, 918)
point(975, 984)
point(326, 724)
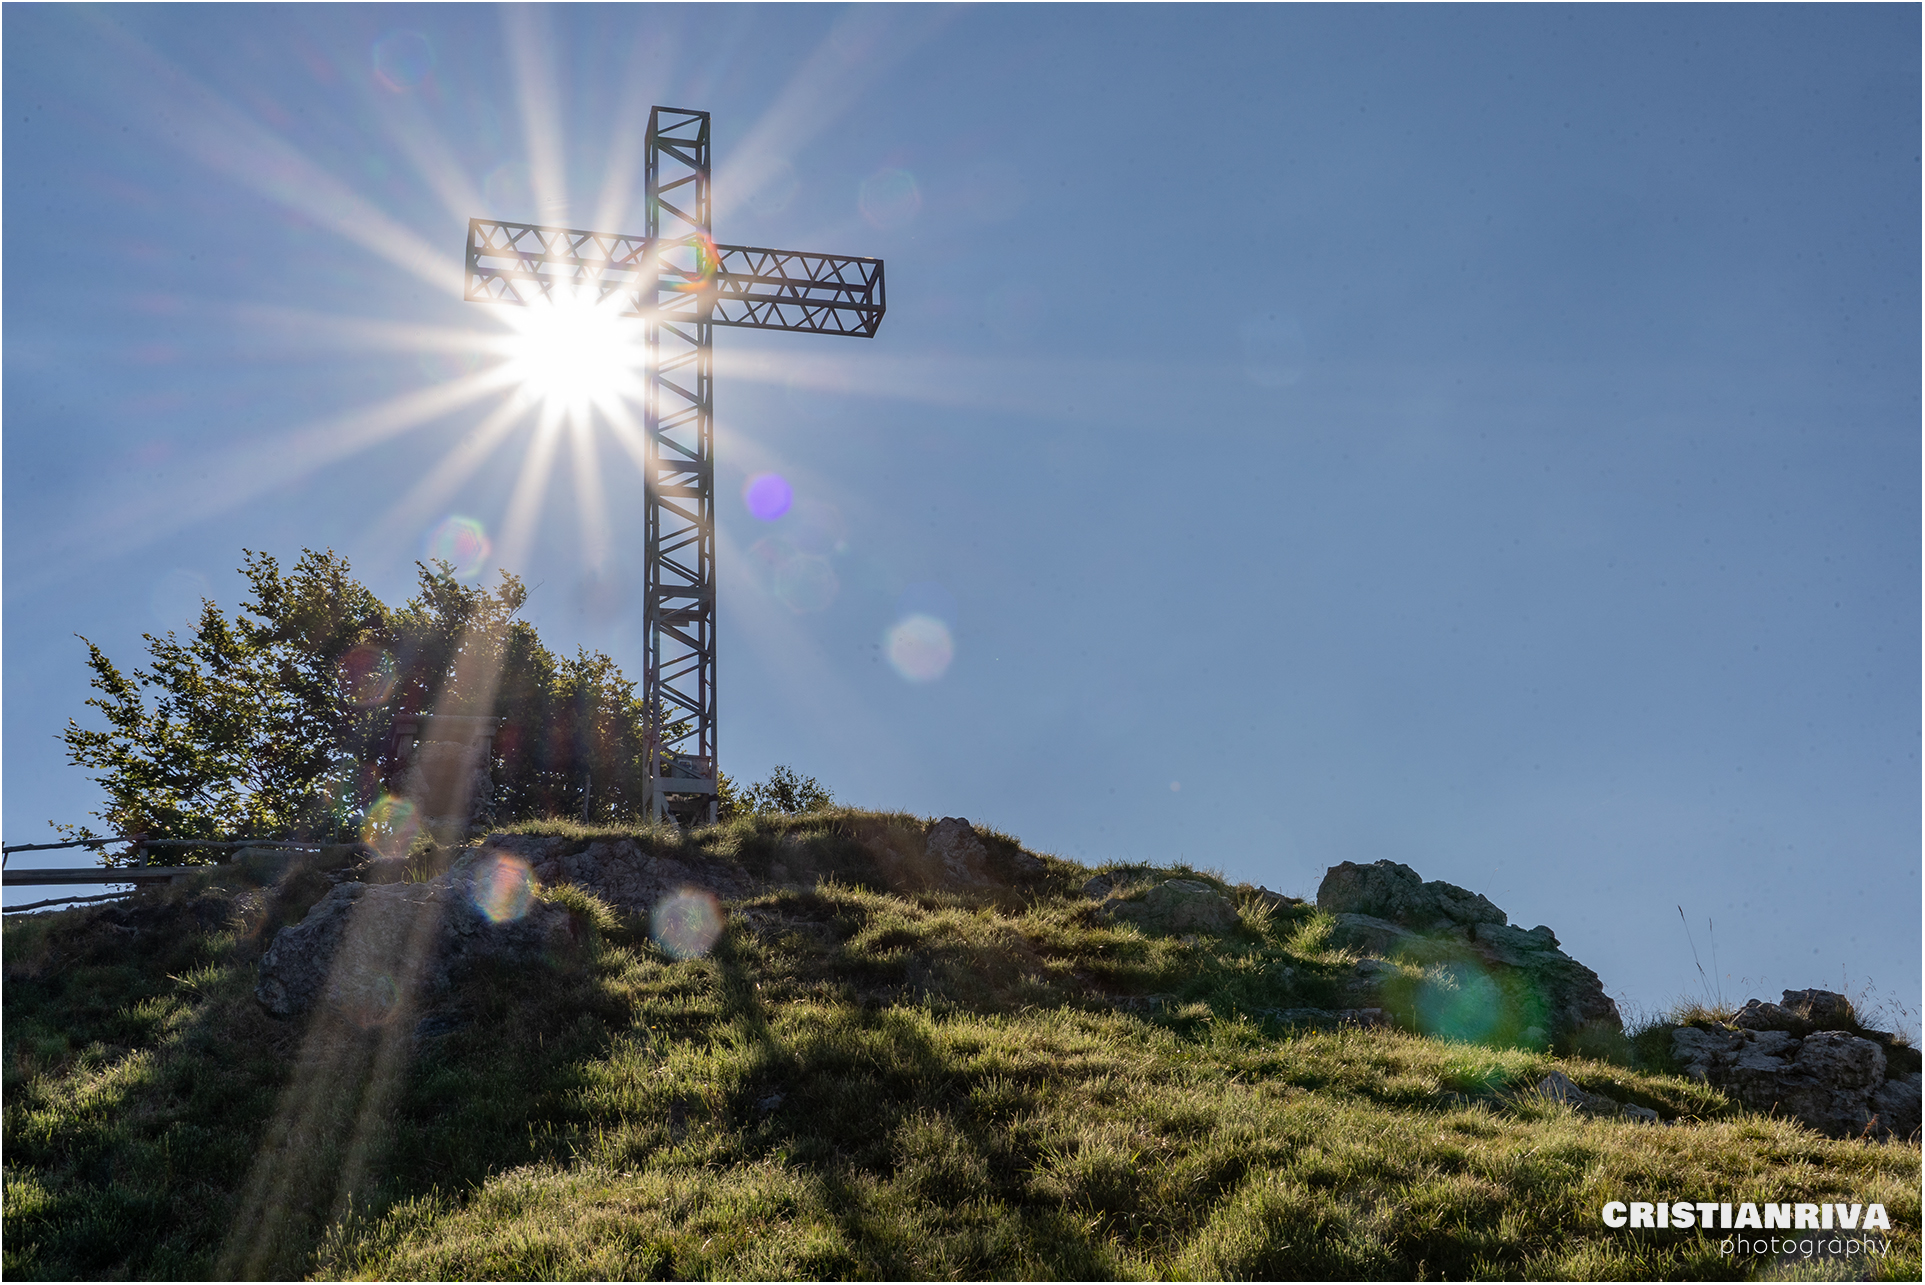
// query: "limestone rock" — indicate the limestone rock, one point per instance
point(1757, 1015)
point(1832, 1081)
point(1503, 944)
point(1179, 906)
point(1558, 1087)
point(1825, 1010)
point(370, 951)
point(1391, 890)
point(954, 843)
point(1896, 1103)
point(1369, 935)
point(1533, 990)
point(619, 871)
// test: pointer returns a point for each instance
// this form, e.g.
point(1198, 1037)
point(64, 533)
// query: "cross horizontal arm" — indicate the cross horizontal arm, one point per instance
point(685, 278)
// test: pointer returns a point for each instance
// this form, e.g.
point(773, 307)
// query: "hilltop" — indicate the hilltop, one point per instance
point(888, 1047)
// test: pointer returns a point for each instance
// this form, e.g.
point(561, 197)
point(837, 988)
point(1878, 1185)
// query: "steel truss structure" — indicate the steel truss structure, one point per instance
point(682, 284)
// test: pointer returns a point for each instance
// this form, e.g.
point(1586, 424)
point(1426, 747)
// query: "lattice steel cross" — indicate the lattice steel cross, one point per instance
point(682, 285)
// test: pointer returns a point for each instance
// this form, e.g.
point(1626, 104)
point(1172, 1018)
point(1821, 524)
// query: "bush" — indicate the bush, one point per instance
point(279, 721)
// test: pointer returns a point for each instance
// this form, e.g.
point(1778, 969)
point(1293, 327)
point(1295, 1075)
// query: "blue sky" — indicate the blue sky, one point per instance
point(1486, 438)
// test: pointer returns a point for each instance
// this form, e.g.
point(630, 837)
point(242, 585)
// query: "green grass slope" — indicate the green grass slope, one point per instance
point(853, 1082)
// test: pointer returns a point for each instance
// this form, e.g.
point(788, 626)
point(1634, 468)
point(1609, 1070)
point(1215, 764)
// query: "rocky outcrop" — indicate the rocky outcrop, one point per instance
point(621, 872)
point(1177, 906)
point(1174, 906)
point(952, 841)
point(370, 951)
point(1393, 891)
point(1845, 1083)
point(1484, 978)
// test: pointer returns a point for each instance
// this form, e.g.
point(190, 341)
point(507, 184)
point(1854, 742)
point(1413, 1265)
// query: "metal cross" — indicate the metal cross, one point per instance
point(682, 284)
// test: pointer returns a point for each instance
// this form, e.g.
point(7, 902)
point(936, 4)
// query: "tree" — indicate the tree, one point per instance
point(279, 722)
point(785, 791)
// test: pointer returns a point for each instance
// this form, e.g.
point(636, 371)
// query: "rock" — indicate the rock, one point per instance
point(1179, 906)
point(954, 843)
point(1831, 1081)
point(370, 951)
point(1530, 989)
point(1825, 1010)
point(619, 871)
point(1896, 1104)
point(1900, 1057)
point(1503, 944)
point(1558, 1087)
point(1393, 891)
point(1757, 1015)
point(1098, 887)
point(1272, 901)
point(1370, 935)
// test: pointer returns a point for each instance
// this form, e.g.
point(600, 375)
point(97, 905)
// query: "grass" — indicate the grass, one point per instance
point(865, 1077)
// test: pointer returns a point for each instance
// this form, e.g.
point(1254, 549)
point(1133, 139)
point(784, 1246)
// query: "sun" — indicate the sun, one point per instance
point(574, 352)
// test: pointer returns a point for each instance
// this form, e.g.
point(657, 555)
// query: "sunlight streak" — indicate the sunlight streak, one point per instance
point(434, 489)
point(590, 504)
point(531, 60)
point(525, 505)
point(231, 143)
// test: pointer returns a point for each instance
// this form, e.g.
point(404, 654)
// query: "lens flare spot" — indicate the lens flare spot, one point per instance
point(802, 582)
point(687, 923)
point(367, 675)
point(462, 543)
point(391, 825)
point(768, 496)
point(1459, 1002)
point(402, 60)
point(920, 648)
point(890, 199)
point(503, 887)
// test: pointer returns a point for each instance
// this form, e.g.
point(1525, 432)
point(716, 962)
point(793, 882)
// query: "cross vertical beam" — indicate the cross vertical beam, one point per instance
point(678, 673)
point(682, 285)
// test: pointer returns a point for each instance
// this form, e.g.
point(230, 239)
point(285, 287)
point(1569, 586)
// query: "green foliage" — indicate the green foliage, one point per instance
point(785, 792)
point(279, 721)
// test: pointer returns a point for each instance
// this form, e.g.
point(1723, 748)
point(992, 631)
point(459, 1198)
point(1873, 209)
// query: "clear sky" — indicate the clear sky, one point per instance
point(1486, 438)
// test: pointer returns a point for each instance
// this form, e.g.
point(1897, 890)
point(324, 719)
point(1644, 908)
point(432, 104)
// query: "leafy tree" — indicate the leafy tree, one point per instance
point(280, 721)
point(786, 791)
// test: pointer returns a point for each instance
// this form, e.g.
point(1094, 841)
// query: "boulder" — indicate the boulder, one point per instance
point(619, 871)
point(1896, 1104)
point(1391, 890)
point(1369, 935)
point(371, 951)
point(1504, 982)
point(1757, 1015)
point(1558, 1087)
point(1825, 1010)
point(1835, 1082)
point(954, 843)
point(1178, 906)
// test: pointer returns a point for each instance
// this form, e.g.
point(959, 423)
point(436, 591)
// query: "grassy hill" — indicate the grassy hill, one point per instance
point(852, 1082)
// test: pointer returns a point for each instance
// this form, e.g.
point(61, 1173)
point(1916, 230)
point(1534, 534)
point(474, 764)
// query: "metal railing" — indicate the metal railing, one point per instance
point(138, 873)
